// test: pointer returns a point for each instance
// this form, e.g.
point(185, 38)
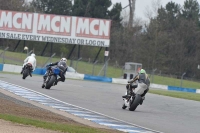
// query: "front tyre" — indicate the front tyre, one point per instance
point(50, 81)
point(124, 106)
point(135, 102)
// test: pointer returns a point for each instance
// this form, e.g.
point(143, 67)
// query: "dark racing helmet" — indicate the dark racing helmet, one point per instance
point(62, 65)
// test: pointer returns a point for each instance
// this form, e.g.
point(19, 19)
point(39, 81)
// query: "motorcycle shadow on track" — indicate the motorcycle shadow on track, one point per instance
point(53, 89)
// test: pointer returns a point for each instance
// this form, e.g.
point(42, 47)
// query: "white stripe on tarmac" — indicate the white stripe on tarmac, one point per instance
point(24, 91)
point(77, 114)
point(25, 94)
point(75, 111)
point(36, 97)
point(51, 103)
point(96, 119)
point(61, 107)
point(117, 125)
point(12, 90)
point(130, 131)
point(37, 100)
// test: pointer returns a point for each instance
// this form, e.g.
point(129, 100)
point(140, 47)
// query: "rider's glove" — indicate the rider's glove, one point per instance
point(130, 81)
point(47, 66)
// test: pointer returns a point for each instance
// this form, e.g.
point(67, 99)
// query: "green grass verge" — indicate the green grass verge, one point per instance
point(48, 125)
point(176, 94)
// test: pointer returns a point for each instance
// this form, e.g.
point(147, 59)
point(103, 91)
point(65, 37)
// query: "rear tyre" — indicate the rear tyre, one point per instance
point(50, 82)
point(25, 73)
point(135, 102)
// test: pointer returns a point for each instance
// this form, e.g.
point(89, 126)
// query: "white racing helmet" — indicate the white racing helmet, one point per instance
point(33, 54)
point(64, 60)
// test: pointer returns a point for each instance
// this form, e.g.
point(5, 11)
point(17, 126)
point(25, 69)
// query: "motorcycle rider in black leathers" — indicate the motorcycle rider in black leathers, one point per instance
point(62, 65)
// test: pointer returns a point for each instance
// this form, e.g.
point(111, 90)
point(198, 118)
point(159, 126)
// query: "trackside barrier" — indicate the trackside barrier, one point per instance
point(17, 69)
point(197, 90)
point(173, 88)
point(156, 86)
point(74, 75)
point(119, 81)
point(1, 67)
point(41, 71)
point(97, 78)
point(12, 68)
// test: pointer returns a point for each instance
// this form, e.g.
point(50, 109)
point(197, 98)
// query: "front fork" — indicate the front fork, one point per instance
point(130, 92)
point(127, 101)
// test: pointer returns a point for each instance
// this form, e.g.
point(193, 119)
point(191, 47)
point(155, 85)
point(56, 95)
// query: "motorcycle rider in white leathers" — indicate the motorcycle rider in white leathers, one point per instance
point(32, 60)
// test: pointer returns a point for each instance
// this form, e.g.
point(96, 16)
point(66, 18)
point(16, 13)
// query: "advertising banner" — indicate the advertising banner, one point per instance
point(54, 28)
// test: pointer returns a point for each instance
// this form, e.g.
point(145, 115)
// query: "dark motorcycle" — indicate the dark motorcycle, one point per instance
point(27, 70)
point(52, 74)
point(134, 99)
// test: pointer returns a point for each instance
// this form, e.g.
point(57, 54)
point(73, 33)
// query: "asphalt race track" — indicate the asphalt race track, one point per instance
point(161, 113)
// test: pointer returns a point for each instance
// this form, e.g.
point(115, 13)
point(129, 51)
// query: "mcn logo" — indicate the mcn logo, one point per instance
point(16, 21)
point(93, 28)
point(52, 24)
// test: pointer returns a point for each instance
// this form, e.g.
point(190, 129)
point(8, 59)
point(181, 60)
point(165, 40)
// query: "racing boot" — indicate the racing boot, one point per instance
point(22, 71)
point(142, 100)
point(55, 83)
point(143, 96)
point(125, 96)
point(30, 74)
point(43, 85)
point(44, 79)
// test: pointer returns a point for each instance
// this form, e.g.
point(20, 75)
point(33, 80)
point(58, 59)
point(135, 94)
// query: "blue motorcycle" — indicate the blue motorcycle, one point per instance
point(51, 79)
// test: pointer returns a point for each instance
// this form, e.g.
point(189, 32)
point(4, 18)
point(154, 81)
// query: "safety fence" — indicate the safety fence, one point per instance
point(71, 75)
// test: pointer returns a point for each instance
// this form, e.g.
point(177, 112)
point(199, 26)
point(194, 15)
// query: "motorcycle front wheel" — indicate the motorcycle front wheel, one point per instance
point(50, 80)
point(124, 106)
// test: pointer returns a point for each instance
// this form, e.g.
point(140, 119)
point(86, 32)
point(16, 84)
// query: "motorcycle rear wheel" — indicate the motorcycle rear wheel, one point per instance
point(135, 102)
point(50, 82)
point(25, 73)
